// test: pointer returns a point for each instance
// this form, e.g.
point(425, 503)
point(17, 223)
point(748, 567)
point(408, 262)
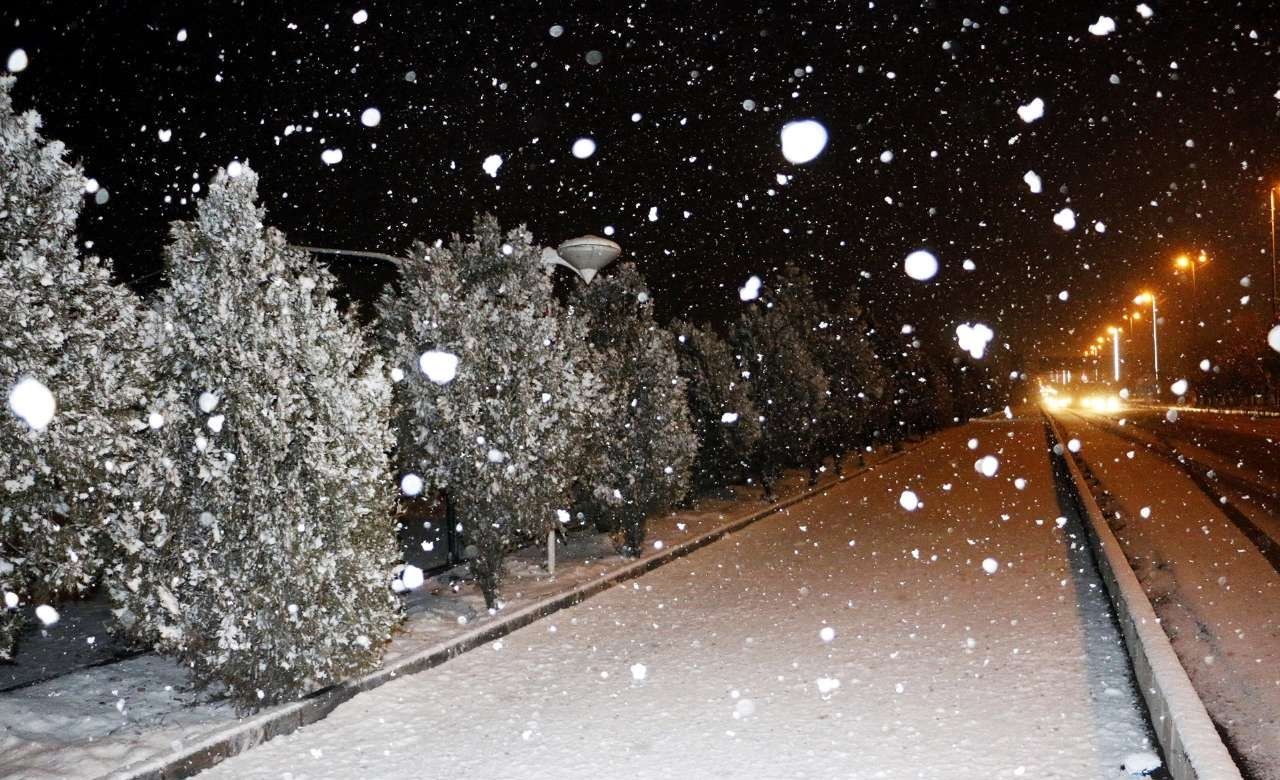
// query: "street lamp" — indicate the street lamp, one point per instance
point(1147, 297)
point(584, 256)
point(1184, 263)
point(1271, 193)
point(1115, 351)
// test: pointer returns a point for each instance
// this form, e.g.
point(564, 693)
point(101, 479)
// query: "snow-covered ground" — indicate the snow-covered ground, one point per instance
point(1217, 596)
point(846, 636)
point(97, 720)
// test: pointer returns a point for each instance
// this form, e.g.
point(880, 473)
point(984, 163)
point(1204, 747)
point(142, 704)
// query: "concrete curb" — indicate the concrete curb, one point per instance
point(287, 718)
point(1192, 748)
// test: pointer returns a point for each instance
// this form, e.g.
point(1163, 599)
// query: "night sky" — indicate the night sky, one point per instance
point(1167, 130)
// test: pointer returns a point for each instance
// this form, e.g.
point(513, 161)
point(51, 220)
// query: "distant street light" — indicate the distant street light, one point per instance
point(1275, 314)
point(1184, 263)
point(584, 256)
point(1115, 351)
point(1147, 297)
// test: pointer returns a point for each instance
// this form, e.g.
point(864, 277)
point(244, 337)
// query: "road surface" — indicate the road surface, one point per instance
point(1204, 548)
point(717, 665)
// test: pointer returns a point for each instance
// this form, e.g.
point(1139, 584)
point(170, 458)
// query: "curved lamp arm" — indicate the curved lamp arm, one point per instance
point(552, 257)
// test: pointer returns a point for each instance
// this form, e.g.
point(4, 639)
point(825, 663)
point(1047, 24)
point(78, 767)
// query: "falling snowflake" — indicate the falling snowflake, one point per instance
point(803, 140)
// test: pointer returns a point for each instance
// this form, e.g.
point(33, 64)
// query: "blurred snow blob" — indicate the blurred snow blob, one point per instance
point(208, 402)
point(360, 17)
point(411, 484)
point(990, 565)
point(921, 265)
point(17, 61)
point(32, 401)
point(331, 156)
point(803, 140)
point(155, 421)
point(987, 465)
point(411, 577)
point(974, 338)
point(1273, 338)
point(1031, 111)
point(751, 290)
point(1065, 219)
point(827, 685)
point(371, 117)
point(235, 169)
point(729, 418)
point(1104, 26)
point(1033, 182)
point(47, 614)
point(827, 634)
point(908, 501)
point(491, 165)
point(639, 672)
point(556, 31)
point(1145, 11)
point(440, 367)
point(886, 156)
point(584, 148)
point(1179, 387)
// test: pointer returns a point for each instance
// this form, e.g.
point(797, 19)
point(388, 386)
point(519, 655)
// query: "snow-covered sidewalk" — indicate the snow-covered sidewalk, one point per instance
point(103, 719)
point(1217, 596)
point(845, 636)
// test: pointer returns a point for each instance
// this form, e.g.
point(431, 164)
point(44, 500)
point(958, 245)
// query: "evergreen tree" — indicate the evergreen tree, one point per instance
point(787, 387)
point(65, 326)
point(837, 337)
point(262, 553)
point(720, 408)
point(648, 443)
point(498, 399)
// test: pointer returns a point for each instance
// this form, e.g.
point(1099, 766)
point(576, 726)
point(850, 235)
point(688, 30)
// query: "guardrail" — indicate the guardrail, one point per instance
point(1193, 749)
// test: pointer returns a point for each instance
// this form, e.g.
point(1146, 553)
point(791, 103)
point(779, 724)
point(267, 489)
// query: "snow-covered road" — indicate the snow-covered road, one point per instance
point(720, 664)
point(1217, 596)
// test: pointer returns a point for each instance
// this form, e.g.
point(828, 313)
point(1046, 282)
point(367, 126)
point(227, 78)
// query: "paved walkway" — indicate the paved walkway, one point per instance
point(717, 665)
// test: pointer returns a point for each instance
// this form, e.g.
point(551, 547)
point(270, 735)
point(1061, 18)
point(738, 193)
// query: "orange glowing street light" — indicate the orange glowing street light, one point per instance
point(1185, 263)
point(1115, 351)
point(1140, 299)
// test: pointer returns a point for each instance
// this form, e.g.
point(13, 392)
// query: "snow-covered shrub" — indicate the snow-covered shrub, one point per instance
point(64, 329)
point(498, 397)
point(262, 551)
point(720, 408)
point(837, 336)
point(648, 445)
point(918, 397)
point(787, 386)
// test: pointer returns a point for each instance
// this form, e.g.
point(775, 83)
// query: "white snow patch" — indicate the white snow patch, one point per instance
point(974, 338)
point(208, 402)
point(827, 634)
point(491, 165)
point(411, 484)
point(32, 401)
point(331, 156)
point(886, 156)
point(1031, 111)
point(47, 614)
point(827, 685)
point(728, 418)
point(987, 465)
point(803, 140)
point(653, 213)
point(371, 117)
point(1074, 445)
point(639, 672)
point(440, 367)
point(1145, 11)
point(1065, 219)
point(18, 61)
point(921, 265)
point(1104, 26)
point(751, 290)
point(165, 135)
point(1179, 387)
point(1033, 182)
point(909, 501)
point(155, 421)
point(990, 565)
point(583, 148)
point(411, 577)
point(360, 17)
point(1144, 762)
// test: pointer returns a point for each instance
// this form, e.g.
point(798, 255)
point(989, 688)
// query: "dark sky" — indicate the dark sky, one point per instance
point(1175, 155)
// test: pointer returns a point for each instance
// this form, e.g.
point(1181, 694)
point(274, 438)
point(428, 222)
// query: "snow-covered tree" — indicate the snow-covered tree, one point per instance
point(918, 398)
point(498, 397)
point(67, 348)
point(720, 408)
point(837, 337)
point(648, 445)
point(787, 386)
point(262, 550)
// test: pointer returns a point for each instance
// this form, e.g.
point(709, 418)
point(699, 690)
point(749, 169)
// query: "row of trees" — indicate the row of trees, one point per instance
point(222, 458)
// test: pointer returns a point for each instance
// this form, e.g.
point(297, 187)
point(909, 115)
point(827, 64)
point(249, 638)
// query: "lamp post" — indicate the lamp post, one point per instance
point(585, 256)
point(1271, 193)
point(1115, 352)
point(1155, 334)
